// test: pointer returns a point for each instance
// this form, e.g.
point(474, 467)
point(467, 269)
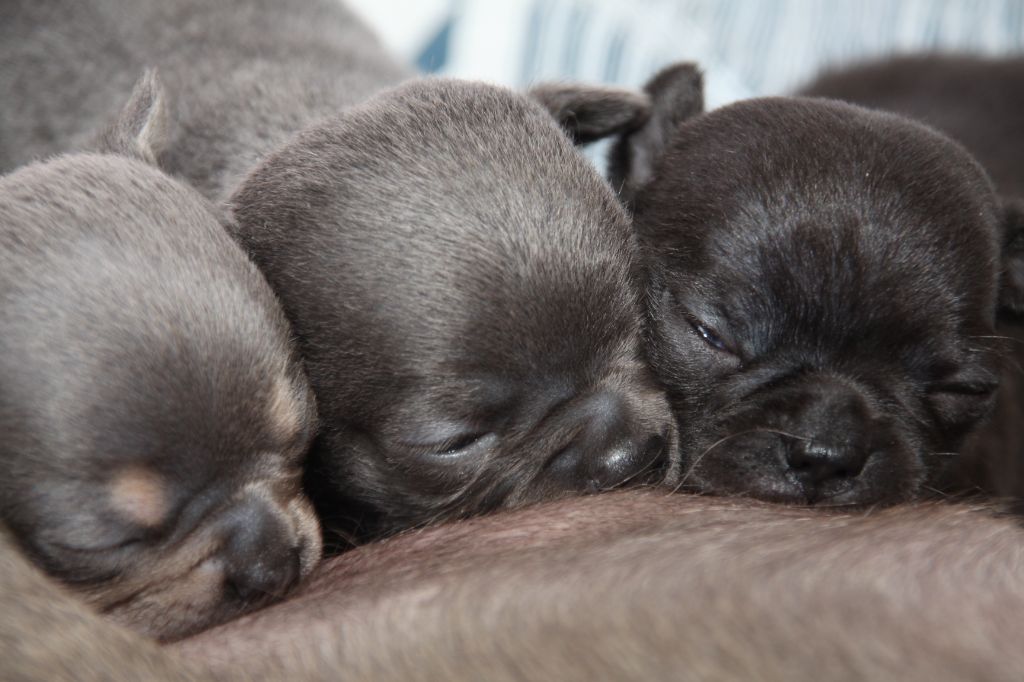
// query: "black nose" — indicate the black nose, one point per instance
point(611, 448)
point(261, 558)
point(817, 463)
point(833, 425)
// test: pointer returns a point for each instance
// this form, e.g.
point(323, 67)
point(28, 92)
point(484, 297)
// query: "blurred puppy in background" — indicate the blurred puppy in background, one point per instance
point(822, 289)
point(155, 415)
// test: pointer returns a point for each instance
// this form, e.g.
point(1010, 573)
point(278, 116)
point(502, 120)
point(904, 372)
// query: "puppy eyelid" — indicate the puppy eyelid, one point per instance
point(456, 446)
point(979, 389)
point(115, 546)
point(706, 333)
point(709, 335)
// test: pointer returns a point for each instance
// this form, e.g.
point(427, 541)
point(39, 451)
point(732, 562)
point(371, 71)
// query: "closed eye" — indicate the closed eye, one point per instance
point(981, 389)
point(458, 446)
point(100, 548)
point(709, 336)
point(960, 404)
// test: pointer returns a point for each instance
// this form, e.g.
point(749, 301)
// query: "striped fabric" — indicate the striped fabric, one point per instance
point(746, 47)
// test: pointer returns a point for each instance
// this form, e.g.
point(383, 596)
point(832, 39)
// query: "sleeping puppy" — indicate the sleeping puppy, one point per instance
point(823, 287)
point(465, 292)
point(976, 101)
point(463, 286)
point(154, 413)
point(242, 76)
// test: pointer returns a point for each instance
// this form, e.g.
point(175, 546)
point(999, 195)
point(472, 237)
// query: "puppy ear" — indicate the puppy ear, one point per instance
point(676, 94)
point(589, 113)
point(140, 130)
point(1011, 286)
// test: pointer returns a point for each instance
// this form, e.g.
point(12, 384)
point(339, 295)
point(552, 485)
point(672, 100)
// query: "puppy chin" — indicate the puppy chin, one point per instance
point(760, 465)
point(188, 604)
point(245, 556)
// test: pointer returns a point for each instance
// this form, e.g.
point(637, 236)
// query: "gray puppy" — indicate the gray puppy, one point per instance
point(242, 75)
point(465, 291)
point(464, 287)
point(154, 413)
point(823, 285)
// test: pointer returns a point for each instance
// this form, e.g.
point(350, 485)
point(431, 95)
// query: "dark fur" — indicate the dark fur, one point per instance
point(980, 103)
point(823, 285)
point(153, 412)
point(464, 288)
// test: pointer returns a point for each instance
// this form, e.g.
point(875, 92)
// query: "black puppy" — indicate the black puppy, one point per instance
point(822, 290)
point(979, 102)
point(153, 412)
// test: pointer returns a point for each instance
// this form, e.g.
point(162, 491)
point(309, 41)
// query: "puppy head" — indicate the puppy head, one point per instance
point(823, 292)
point(154, 414)
point(465, 294)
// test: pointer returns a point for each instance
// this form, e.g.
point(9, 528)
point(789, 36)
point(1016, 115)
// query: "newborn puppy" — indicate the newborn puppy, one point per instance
point(822, 291)
point(154, 414)
point(465, 291)
point(242, 76)
point(976, 101)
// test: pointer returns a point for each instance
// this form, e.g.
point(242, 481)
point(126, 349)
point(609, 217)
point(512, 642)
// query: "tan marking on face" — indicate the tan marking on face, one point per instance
point(141, 496)
point(284, 410)
point(307, 526)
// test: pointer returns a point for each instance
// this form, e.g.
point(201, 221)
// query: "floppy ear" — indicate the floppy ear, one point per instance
point(589, 113)
point(676, 94)
point(1011, 285)
point(140, 130)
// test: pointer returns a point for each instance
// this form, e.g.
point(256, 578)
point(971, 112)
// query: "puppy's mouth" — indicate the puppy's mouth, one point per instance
point(245, 557)
point(777, 466)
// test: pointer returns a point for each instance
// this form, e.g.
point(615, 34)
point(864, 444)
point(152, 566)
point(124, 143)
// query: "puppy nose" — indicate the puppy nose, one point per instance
point(817, 463)
point(610, 449)
point(626, 461)
point(833, 424)
point(260, 555)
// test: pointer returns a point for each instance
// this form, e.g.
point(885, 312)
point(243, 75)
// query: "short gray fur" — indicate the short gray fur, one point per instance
point(241, 75)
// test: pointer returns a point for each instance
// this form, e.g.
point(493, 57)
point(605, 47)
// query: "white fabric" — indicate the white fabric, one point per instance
point(746, 47)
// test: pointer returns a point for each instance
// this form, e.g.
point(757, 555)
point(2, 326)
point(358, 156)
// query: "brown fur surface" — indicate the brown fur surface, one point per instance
point(644, 585)
point(623, 586)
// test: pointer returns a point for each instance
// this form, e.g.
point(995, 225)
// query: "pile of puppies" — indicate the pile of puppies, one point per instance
point(269, 270)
